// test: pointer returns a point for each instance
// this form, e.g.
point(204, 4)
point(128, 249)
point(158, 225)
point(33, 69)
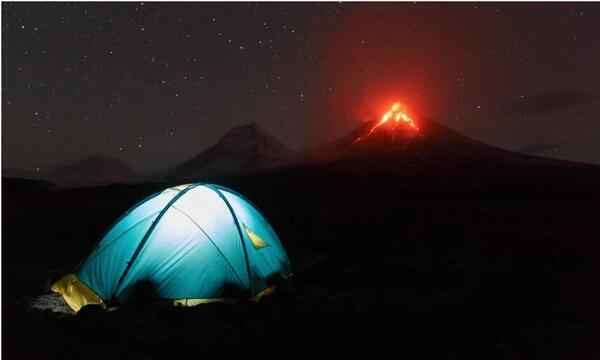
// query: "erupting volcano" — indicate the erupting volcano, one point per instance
point(395, 120)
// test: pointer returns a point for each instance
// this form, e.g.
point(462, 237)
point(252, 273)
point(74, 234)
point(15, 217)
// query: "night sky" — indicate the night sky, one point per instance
point(155, 83)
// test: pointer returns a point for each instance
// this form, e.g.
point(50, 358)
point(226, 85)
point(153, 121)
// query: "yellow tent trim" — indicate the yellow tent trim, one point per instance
point(193, 302)
point(177, 188)
point(266, 292)
point(256, 240)
point(75, 293)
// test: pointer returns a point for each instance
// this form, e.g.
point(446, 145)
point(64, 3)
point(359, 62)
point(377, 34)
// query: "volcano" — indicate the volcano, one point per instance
point(429, 139)
point(399, 144)
point(243, 149)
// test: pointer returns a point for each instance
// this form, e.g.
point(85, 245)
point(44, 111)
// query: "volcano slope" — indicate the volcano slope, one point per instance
point(428, 245)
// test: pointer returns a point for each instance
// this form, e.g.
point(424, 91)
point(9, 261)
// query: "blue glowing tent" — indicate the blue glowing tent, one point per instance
point(192, 243)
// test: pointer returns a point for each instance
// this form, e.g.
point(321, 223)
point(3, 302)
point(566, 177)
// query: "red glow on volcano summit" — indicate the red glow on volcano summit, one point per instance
point(395, 119)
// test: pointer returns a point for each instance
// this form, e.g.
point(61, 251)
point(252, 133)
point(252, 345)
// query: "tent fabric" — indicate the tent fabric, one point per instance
point(194, 241)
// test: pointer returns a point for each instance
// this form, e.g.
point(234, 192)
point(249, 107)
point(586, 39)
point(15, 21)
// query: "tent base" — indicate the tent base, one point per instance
point(193, 302)
point(77, 295)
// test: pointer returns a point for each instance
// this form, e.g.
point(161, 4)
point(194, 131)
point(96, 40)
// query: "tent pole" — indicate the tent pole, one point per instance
point(149, 232)
point(237, 224)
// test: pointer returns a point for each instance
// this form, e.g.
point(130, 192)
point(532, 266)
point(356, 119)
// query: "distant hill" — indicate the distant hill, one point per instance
point(94, 170)
point(243, 149)
point(17, 173)
point(16, 184)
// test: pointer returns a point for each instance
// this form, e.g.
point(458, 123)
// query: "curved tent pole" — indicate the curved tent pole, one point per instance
point(237, 224)
point(147, 198)
point(223, 188)
point(98, 250)
point(149, 232)
point(114, 223)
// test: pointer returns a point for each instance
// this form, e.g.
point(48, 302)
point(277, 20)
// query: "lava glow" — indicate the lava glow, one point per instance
point(395, 117)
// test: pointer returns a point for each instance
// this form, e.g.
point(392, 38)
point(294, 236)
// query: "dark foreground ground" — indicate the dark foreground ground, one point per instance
point(491, 262)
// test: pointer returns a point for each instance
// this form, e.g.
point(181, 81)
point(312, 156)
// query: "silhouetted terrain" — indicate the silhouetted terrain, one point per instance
point(436, 246)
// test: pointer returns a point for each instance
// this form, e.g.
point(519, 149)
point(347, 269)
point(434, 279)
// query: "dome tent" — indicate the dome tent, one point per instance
point(192, 243)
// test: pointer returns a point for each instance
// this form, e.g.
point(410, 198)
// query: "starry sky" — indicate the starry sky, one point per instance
point(154, 84)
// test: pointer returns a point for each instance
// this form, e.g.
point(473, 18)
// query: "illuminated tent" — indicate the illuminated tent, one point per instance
point(190, 244)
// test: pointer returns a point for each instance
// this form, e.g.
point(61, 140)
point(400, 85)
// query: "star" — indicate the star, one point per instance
point(271, 63)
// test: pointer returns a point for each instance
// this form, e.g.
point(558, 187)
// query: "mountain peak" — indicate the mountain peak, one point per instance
point(243, 134)
point(247, 127)
point(242, 149)
point(393, 124)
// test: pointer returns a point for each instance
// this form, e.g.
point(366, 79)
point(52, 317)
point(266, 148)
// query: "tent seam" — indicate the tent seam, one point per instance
point(149, 232)
point(138, 204)
point(96, 252)
point(211, 241)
